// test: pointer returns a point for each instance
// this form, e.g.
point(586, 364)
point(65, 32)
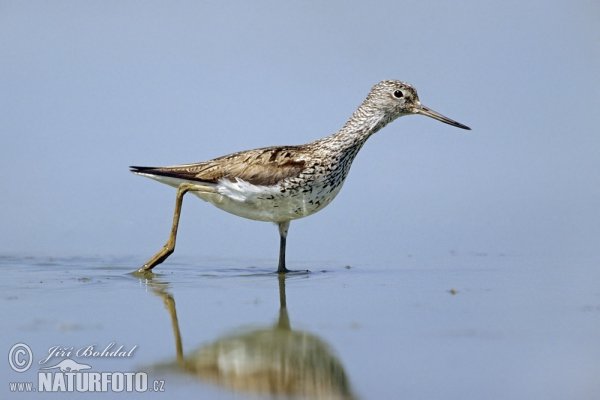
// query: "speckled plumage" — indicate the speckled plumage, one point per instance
point(283, 183)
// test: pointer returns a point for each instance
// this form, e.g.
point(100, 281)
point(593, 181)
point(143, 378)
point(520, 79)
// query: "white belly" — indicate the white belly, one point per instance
point(267, 203)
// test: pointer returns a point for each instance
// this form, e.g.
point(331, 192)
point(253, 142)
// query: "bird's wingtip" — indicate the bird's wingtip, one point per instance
point(137, 169)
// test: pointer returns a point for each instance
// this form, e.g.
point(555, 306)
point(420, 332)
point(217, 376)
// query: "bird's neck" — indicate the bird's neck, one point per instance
point(364, 122)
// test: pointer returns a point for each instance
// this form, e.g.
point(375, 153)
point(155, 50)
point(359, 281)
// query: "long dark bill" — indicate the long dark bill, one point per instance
point(421, 109)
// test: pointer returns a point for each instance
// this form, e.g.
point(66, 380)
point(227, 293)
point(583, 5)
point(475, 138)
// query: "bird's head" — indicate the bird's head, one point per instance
point(398, 98)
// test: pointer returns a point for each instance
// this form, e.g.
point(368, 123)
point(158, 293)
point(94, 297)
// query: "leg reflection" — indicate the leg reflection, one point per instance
point(274, 360)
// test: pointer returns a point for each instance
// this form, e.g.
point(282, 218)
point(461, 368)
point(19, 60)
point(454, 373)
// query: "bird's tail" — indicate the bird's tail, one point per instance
point(165, 175)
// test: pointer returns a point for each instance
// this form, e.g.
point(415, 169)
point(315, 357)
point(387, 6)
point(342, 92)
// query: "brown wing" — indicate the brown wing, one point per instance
point(265, 166)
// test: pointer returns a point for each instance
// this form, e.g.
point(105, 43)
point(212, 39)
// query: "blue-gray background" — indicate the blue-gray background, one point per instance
point(88, 88)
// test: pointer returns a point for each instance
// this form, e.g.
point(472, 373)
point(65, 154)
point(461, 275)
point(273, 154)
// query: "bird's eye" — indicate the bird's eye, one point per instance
point(398, 94)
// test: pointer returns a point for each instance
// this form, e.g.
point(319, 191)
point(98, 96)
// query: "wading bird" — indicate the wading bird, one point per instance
point(282, 183)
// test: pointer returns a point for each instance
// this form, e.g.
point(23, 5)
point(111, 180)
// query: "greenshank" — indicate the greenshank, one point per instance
point(282, 183)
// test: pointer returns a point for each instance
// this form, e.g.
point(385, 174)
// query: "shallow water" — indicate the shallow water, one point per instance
point(471, 326)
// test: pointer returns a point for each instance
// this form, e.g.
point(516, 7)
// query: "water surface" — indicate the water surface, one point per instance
point(464, 326)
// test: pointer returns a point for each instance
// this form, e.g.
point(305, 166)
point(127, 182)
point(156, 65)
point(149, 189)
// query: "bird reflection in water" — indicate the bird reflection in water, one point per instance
point(275, 360)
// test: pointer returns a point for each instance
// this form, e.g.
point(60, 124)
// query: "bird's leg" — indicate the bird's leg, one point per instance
point(283, 230)
point(169, 247)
